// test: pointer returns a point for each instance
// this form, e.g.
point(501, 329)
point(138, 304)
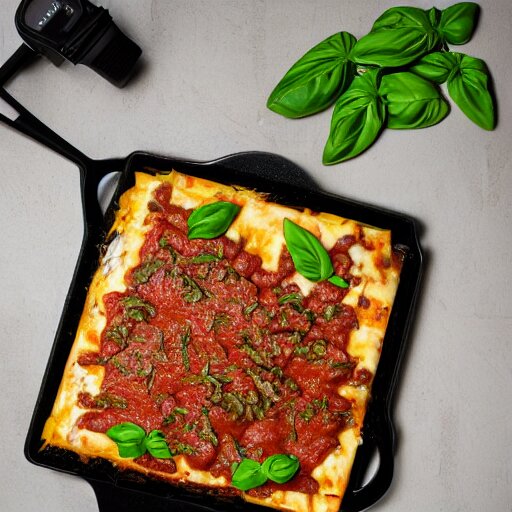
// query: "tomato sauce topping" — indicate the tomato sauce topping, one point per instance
point(222, 356)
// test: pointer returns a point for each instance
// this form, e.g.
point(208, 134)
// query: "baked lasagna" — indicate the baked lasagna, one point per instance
point(211, 354)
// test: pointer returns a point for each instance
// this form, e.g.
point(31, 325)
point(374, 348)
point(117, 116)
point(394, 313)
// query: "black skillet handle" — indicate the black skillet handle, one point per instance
point(27, 123)
point(378, 442)
point(92, 171)
point(114, 499)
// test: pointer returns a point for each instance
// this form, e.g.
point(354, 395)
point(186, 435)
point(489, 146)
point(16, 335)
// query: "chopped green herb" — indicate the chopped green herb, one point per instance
point(164, 244)
point(193, 292)
point(291, 384)
point(121, 367)
point(291, 419)
point(106, 401)
point(137, 308)
point(321, 404)
point(185, 340)
point(151, 378)
point(295, 337)
point(232, 405)
point(183, 449)
point(308, 413)
point(294, 299)
point(207, 432)
point(277, 371)
point(330, 311)
point(220, 320)
point(249, 309)
point(146, 270)
point(318, 349)
point(256, 357)
point(300, 350)
point(119, 335)
point(171, 418)
point(204, 258)
point(263, 386)
point(309, 315)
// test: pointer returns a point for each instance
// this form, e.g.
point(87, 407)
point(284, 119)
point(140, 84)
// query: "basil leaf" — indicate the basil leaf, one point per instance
point(338, 281)
point(411, 101)
point(357, 119)
point(126, 432)
point(129, 439)
point(399, 36)
point(280, 467)
point(247, 475)
point(316, 80)
point(468, 86)
point(458, 22)
point(435, 67)
point(308, 254)
point(211, 220)
point(157, 446)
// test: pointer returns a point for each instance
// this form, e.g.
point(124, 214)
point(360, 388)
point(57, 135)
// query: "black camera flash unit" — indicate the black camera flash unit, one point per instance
point(80, 32)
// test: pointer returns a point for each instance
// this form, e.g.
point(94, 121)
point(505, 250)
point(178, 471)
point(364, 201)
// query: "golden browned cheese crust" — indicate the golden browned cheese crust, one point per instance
point(259, 226)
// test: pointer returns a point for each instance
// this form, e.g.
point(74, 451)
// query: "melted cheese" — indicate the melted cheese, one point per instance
point(259, 225)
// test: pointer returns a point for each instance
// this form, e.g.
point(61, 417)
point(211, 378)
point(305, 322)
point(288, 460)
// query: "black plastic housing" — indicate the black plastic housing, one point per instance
point(80, 32)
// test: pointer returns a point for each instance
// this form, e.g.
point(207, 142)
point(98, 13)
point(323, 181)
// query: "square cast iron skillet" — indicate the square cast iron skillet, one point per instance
point(287, 184)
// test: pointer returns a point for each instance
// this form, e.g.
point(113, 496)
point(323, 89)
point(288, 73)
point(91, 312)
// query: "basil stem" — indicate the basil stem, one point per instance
point(316, 80)
point(309, 256)
point(411, 101)
point(357, 120)
point(211, 220)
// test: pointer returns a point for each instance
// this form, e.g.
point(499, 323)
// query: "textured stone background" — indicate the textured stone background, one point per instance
point(208, 69)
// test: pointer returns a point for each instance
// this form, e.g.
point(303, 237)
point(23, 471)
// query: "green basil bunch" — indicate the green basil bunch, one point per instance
point(389, 78)
point(249, 473)
point(132, 441)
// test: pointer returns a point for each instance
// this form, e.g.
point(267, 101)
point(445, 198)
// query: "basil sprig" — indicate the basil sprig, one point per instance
point(381, 96)
point(211, 220)
point(132, 441)
point(309, 256)
point(357, 119)
point(279, 468)
point(412, 101)
point(316, 80)
point(468, 82)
